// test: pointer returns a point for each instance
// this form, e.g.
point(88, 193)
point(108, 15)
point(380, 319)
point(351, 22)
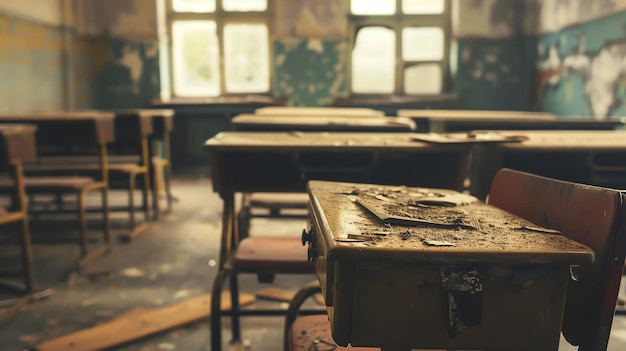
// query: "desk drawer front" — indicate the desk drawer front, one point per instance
point(410, 303)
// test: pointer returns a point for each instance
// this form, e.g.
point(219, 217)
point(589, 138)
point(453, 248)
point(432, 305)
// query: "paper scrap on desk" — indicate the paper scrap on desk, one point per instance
point(446, 200)
point(541, 230)
point(439, 243)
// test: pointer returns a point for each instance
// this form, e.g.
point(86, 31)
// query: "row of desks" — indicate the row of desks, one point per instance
point(288, 161)
point(60, 133)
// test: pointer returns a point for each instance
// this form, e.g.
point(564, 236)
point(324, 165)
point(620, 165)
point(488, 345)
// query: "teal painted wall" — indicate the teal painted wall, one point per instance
point(495, 73)
point(581, 69)
point(31, 65)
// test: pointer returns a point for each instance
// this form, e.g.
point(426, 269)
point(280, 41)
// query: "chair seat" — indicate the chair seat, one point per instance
point(279, 255)
point(308, 331)
point(52, 167)
point(45, 184)
point(279, 200)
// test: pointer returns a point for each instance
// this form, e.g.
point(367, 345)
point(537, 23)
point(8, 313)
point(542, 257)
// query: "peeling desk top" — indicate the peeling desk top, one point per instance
point(491, 235)
point(318, 111)
point(564, 139)
point(328, 122)
point(319, 140)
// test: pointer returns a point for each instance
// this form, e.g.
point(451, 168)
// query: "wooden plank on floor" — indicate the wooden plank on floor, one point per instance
point(275, 294)
point(137, 325)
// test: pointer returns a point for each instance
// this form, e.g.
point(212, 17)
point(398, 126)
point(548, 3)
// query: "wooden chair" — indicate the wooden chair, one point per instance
point(264, 256)
point(13, 150)
point(590, 215)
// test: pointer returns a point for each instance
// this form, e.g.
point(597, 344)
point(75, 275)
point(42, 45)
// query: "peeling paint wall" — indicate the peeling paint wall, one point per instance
point(311, 72)
point(116, 73)
point(116, 53)
point(31, 64)
point(494, 56)
point(581, 70)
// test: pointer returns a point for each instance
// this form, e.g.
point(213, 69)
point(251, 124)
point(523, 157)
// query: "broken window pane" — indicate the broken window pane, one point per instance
point(195, 58)
point(422, 43)
point(373, 61)
point(373, 7)
point(423, 79)
point(193, 5)
point(246, 58)
point(423, 7)
point(244, 5)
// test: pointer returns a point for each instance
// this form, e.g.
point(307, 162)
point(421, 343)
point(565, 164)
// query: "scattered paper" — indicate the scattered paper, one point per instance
point(439, 243)
point(133, 272)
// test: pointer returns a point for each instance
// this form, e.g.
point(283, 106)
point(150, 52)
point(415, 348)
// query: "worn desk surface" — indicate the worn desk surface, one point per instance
point(319, 112)
point(443, 121)
point(382, 282)
point(248, 122)
point(285, 161)
point(96, 126)
point(590, 157)
point(477, 115)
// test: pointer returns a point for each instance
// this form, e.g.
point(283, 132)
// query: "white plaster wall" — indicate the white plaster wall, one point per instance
point(47, 11)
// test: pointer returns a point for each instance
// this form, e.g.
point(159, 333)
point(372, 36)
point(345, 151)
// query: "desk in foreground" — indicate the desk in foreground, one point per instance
point(475, 278)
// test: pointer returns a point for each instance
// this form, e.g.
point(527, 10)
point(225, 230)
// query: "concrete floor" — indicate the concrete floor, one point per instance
point(165, 265)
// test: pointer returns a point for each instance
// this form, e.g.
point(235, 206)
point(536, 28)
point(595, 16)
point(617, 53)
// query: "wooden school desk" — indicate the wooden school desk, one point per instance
point(84, 133)
point(442, 121)
point(588, 157)
point(287, 111)
point(468, 277)
point(249, 162)
point(248, 122)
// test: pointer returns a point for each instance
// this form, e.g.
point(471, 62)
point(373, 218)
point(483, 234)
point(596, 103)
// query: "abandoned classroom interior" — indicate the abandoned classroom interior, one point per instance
point(312, 175)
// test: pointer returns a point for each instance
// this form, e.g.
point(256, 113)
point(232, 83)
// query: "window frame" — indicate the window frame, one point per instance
point(397, 22)
point(221, 18)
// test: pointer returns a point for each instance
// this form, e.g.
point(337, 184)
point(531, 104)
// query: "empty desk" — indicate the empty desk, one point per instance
point(250, 162)
point(441, 121)
point(588, 157)
point(318, 111)
point(404, 268)
point(247, 122)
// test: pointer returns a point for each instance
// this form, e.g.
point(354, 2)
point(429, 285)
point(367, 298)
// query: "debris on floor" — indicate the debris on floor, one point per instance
point(138, 323)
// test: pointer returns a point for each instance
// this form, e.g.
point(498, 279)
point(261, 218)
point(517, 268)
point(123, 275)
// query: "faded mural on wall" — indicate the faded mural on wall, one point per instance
point(582, 70)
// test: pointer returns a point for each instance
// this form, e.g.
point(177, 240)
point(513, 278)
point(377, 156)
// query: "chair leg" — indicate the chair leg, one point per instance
point(27, 256)
point(146, 196)
point(82, 214)
point(216, 309)
point(234, 308)
point(244, 222)
point(106, 217)
point(131, 201)
point(294, 306)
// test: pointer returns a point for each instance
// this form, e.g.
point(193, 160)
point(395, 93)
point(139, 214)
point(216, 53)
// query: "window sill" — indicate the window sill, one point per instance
point(263, 100)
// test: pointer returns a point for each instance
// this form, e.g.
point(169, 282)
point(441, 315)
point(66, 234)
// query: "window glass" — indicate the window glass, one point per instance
point(423, 79)
point(422, 43)
point(373, 60)
point(195, 58)
point(373, 7)
point(423, 7)
point(246, 58)
point(244, 5)
point(193, 5)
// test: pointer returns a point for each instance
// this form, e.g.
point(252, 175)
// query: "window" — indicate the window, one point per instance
point(219, 47)
point(400, 46)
